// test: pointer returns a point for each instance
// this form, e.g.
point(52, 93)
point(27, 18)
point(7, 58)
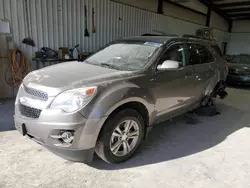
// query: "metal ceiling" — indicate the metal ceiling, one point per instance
point(231, 9)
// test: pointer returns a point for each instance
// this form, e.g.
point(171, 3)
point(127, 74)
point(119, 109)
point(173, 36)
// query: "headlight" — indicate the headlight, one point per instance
point(75, 99)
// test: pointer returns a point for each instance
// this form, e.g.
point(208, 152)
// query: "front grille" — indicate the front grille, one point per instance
point(29, 112)
point(40, 94)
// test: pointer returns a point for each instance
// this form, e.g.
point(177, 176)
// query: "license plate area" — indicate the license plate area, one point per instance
point(21, 128)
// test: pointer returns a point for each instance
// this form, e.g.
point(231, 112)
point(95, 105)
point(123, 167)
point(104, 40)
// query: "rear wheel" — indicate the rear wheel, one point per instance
point(120, 137)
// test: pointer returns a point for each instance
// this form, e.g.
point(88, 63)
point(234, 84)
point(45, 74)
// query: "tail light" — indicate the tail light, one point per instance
point(227, 67)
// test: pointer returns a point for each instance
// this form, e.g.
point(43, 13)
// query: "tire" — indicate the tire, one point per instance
point(104, 142)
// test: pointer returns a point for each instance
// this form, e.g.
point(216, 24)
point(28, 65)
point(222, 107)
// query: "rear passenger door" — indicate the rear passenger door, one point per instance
point(203, 64)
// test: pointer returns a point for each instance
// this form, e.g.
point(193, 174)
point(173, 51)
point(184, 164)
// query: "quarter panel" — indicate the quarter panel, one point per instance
point(210, 85)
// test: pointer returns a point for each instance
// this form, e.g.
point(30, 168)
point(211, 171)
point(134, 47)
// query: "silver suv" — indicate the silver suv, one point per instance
point(108, 103)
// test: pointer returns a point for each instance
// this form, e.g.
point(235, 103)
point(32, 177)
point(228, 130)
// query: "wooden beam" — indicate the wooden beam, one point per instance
point(230, 25)
point(239, 14)
point(236, 10)
point(186, 8)
point(208, 16)
point(160, 6)
point(243, 18)
point(233, 4)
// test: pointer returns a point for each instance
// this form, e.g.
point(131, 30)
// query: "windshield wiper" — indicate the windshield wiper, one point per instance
point(111, 66)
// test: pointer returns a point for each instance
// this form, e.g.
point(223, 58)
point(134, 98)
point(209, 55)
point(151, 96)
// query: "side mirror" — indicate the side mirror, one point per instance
point(169, 65)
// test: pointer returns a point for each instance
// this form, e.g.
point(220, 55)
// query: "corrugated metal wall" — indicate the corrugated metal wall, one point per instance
point(240, 38)
point(239, 43)
point(56, 23)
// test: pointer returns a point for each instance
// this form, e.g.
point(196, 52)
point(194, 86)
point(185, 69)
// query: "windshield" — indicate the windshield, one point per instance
point(241, 59)
point(124, 56)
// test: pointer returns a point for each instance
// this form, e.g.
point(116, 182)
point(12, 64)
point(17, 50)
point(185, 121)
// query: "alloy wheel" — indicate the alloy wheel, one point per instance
point(124, 138)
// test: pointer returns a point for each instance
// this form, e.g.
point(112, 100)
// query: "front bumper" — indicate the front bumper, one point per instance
point(76, 155)
point(243, 80)
point(82, 147)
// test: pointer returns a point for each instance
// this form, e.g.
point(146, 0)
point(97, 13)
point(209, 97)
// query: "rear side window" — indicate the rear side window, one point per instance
point(217, 49)
point(199, 54)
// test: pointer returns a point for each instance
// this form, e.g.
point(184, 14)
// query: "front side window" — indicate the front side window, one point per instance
point(175, 53)
point(199, 54)
point(124, 56)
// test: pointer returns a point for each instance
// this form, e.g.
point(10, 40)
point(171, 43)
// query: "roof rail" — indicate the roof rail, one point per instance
point(165, 35)
point(197, 37)
point(149, 34)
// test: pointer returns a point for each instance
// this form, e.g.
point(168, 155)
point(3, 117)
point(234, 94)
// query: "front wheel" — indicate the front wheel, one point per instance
point(120, 137)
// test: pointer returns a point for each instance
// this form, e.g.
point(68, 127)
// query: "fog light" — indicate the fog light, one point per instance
point(67, 136)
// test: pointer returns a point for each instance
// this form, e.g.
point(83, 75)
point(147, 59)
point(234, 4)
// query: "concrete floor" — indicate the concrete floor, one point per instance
point(213, 152)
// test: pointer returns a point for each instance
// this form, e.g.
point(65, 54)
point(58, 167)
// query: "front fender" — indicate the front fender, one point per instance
point(116, 95)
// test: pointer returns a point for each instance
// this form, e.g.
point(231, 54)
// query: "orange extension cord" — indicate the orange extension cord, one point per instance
point(17, 69)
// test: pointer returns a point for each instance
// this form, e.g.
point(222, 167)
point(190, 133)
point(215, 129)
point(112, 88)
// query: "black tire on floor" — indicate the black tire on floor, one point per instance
point(103, 149)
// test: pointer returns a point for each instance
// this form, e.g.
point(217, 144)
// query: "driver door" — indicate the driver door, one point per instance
point(174, 90)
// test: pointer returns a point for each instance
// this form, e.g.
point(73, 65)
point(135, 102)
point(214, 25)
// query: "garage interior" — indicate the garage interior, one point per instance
point(209, 152)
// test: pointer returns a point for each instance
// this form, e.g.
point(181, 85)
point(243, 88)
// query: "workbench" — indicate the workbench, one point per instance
point(49, 61)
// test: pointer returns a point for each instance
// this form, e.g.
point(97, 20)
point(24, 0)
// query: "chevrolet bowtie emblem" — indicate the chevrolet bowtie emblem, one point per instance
point(23, 100)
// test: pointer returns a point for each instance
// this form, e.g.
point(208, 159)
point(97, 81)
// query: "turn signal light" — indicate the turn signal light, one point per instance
point(90, 91)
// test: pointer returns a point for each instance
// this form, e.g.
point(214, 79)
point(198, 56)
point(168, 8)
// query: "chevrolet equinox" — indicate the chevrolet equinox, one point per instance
point(109, 102)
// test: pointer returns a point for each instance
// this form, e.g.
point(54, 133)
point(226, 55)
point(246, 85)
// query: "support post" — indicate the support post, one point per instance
point(208, 16)
point(230, 25)
point(160, 7)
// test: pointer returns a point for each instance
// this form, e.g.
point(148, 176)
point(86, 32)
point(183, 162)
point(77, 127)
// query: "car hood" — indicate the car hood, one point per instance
point(70, 75)
point(239, 66)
